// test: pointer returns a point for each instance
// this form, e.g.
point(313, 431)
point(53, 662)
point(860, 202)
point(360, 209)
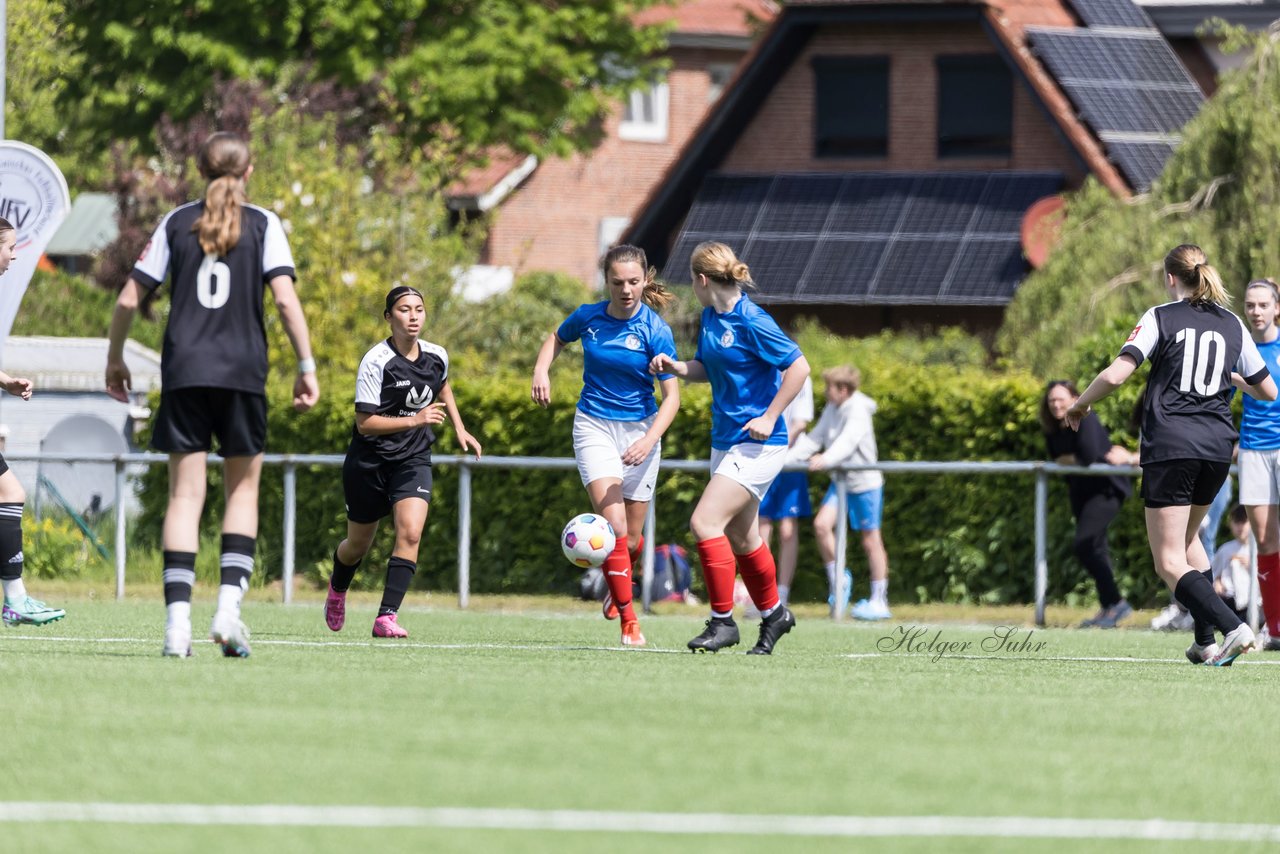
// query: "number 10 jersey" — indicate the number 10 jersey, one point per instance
point(215, 334)
point(1193, 348)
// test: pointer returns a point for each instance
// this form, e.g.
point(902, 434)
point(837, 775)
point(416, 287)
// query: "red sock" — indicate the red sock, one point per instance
point(717, 571)
point(617, 574)
point(638, 552)
point(760, 575)
point(1269, 587)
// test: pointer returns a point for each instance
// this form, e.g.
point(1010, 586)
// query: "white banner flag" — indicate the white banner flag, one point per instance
point(34, 198)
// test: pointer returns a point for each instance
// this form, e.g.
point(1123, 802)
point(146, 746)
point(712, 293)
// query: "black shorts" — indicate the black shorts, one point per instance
point(4, 466)
point(371, 490)
point(1179, 483)
point(189, 418)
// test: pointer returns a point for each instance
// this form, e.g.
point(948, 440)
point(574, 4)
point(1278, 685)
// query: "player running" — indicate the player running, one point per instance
point(755, 371)
point(1194, 344)
point(618, 426)
point(402, 390)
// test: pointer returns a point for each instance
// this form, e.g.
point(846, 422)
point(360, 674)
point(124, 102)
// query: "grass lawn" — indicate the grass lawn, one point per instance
point(523, 717)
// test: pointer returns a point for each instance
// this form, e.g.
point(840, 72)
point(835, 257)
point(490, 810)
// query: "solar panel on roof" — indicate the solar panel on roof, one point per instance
point(885, 237)
point(1123, 84)
point(1141, 162)
point(1111, 13)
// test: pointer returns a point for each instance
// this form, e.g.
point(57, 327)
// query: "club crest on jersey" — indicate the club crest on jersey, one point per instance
point(1134, 333)
point(632, 342)
point(726, 340)
point(418, 399)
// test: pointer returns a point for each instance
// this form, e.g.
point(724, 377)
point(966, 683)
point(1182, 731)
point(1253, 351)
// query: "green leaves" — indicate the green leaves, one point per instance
point(461, 76)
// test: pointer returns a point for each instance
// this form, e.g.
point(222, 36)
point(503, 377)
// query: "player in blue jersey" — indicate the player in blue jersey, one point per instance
point(618, 428)
point(17, 608)
point(218, 254)
point(755, 371)
point(1195, 346)
point(402, 391)
point(1260, 455)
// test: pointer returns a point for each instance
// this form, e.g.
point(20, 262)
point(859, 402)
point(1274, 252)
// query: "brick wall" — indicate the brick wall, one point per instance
point(780, 137)
point(552, 221)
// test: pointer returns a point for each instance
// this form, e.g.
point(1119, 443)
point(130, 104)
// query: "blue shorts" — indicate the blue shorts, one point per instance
point(788, 497)
point(864, 507)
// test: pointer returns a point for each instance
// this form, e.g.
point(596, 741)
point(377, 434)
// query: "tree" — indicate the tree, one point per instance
point(1220, 190)
point(38, 110)
point(463, 75)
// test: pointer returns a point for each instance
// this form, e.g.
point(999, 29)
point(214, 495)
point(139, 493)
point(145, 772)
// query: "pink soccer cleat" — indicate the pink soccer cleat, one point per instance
point(335, 609)
point(387, 627)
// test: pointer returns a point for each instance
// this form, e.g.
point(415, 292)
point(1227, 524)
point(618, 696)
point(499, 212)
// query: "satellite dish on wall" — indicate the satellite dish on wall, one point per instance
point(84, 486)
point(1042, 228)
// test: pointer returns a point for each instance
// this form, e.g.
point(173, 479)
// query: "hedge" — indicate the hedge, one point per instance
point(950, 538)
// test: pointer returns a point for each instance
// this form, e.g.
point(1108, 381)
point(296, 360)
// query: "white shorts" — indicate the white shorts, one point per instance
point(754, 466)
point(1259, 477)
point(598, 445)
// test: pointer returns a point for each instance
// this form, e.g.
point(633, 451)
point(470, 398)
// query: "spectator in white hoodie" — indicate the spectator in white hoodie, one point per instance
point(843, 435)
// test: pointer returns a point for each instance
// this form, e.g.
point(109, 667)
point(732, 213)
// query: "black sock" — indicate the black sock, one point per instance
point(10, 541)
point(237, 560)
point(1204, 631)
point(179, 576)
point(1196, 593)
point(342, 575)
point(399, 574)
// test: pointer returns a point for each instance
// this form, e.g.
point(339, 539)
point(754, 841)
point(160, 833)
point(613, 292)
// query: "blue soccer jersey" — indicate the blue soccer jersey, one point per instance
point(744, 352)
point(1260, 424)
point(616, 383)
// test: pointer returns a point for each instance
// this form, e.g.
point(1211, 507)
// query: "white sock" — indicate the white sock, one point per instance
point(179, 613)
point(718, 616)
point(880, 591)
point(229, 596)
point(784, 593)
point(767, 611)
point(14, 589)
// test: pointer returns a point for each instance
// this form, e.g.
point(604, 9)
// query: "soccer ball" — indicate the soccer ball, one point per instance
point(587, 540)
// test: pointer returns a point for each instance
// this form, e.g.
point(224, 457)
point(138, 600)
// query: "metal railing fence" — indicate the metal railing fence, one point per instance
point(1040, 471)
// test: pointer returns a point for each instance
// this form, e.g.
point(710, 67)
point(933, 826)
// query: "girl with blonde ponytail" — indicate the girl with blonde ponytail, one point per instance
point(1198, 349)
point(218, 254)
point(755, 371)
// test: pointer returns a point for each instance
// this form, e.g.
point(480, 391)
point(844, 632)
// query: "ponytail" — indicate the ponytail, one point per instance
point(1187, 263)
point(224, 160)
point(717, 262)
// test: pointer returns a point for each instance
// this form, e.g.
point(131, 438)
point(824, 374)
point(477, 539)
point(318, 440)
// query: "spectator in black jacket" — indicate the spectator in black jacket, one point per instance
point(1095, 501)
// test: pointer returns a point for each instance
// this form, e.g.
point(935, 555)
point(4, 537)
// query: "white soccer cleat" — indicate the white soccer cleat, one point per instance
point(1173, 619)
point(1234, 645)
point(177, 641)
point(231, 634)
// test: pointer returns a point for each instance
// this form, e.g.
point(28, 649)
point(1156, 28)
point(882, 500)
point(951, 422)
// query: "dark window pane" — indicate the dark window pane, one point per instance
point(975, 107)
point(851, 97)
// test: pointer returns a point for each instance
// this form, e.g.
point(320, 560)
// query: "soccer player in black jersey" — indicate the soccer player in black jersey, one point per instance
point(402, 389)
point(16, 607)
point(217, 254)
point(1198, 349)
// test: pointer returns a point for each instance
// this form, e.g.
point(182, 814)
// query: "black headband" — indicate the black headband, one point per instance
point(395, 294)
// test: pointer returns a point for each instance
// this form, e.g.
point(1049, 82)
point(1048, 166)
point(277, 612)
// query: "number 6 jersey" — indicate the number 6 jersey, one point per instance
point(1193, 348)
point(215, 335)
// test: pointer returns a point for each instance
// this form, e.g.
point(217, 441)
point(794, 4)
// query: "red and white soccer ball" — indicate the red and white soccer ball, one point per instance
point(587, 540)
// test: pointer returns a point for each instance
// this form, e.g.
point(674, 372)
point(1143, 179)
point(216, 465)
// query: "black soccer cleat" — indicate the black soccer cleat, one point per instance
point(773, 627)
point(719, 633)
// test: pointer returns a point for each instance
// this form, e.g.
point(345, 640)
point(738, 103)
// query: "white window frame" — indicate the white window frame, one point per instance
point(611, 228)
point(642, 130)
point(723, 70)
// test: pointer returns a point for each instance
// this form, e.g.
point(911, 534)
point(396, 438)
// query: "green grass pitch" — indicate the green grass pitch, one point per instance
point(511, 717)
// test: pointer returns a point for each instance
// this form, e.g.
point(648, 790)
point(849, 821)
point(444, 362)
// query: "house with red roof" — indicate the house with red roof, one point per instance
point(875, 162)
point(561, 214)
